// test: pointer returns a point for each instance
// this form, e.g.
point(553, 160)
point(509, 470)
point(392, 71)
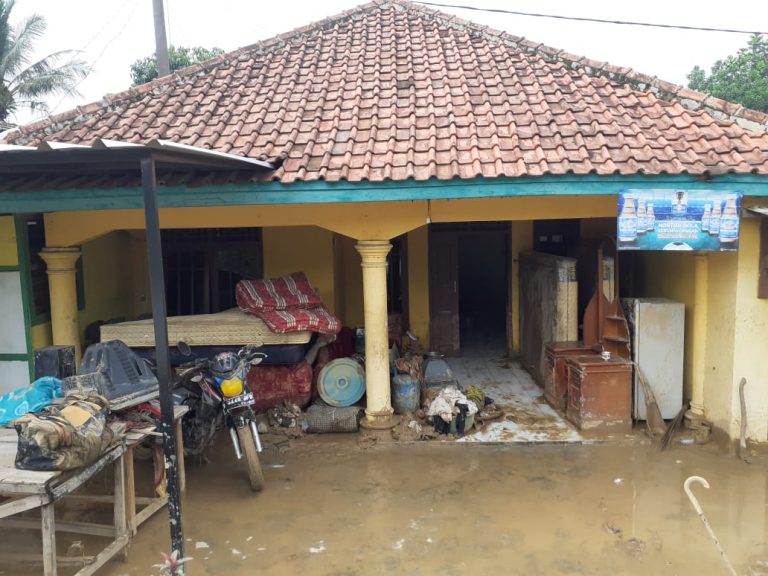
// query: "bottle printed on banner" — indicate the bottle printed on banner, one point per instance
point(641, 217)
point(650, 218)
point(628, 221)
point(714, 221)
point(729, 222)
point(706, 217)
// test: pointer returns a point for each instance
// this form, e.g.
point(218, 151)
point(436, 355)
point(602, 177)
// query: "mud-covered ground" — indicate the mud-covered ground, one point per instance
point(337, 506)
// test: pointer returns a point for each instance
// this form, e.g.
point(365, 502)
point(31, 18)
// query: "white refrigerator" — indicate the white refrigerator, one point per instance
point(657, 328)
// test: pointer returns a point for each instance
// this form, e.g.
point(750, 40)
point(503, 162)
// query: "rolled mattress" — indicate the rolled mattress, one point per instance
point(229, 328)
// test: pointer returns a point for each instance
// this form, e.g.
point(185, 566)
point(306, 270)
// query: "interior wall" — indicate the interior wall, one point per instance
point(107, 278)
point(418, 283)
point(719, 394)
point(307, 249)
point(8, 250)
point(671, 275)
point(751, 335)
point(351, 282)
point(521, 241)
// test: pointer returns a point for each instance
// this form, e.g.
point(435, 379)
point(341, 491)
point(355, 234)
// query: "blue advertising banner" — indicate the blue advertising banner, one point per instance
point(701, 220)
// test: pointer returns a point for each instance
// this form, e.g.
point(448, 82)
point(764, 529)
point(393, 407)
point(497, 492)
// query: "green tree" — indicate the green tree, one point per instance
point(145, 69)
point(741, 78)
point(24, 82)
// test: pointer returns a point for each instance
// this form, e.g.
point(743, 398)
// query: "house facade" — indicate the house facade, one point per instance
point(417, 155)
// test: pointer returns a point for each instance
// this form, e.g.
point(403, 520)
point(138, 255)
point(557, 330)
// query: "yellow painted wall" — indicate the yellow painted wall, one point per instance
point(41, 335)
point(305, 249)
point(363, 221)
point(350, 282)
point(721, 321)
point(9, 255)
point(108, 283)
point(670, 275)
point(418, 283)
point(750, 338)
point(522, 241)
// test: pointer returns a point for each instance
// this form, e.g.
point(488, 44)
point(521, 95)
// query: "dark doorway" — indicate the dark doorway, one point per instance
point(483, 293)
point(468, 285)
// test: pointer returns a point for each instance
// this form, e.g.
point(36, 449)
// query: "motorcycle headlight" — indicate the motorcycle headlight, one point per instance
point(232, 387)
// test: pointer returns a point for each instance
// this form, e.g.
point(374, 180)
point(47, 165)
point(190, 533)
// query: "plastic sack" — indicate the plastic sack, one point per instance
point(66, 435)
point(32, 398)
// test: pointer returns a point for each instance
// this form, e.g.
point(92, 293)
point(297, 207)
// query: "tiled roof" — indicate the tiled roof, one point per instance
point(391, 90)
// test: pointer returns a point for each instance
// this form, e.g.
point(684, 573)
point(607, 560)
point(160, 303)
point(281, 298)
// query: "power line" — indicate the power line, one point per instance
point(596, 20)
point(98, 57)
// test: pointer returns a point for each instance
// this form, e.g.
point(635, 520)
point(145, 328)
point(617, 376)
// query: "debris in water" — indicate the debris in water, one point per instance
point(618, 481)
point(201, 545)
point(611, 528)
point(429, 540)
point(320, 547)
point(261, 548)
point(399, 544)
point(249, 538)
point(237, 552)
point(277, 465)
point(76, 548)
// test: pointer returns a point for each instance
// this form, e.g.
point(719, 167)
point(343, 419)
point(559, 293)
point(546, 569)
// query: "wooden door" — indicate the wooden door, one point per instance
point(444, 291)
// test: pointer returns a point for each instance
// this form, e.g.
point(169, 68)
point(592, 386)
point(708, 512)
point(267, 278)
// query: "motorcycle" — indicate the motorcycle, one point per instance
point(217, 394)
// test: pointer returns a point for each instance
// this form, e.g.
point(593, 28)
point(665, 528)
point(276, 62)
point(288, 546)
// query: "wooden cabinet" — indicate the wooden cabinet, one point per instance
point(599, 393)
point(555, 376)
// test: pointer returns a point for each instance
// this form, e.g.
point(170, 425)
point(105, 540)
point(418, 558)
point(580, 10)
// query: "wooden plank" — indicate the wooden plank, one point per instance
point(21, 504)
point(82, 475)
point(120, 543)
point(154, 506)
point(87, 528)
point(120, 521)
point(180, 465)
point(33, 559)
point(48, 520)
point(130, 491)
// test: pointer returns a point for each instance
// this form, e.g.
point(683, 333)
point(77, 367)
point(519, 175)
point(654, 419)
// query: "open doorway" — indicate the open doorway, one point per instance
point(469, 288)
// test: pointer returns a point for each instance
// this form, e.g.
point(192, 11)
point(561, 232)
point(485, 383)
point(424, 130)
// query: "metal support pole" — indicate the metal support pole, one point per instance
point(157, 285)
point(161, 43)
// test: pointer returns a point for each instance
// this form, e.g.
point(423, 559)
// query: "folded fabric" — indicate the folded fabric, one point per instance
point(318, 319)
point(292, 291)
point(31, 398)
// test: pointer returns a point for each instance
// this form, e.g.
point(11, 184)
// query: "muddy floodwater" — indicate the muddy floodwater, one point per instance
point(336, 506)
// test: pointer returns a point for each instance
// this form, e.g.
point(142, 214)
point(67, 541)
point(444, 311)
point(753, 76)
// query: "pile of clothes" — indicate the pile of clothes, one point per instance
point(450, 405)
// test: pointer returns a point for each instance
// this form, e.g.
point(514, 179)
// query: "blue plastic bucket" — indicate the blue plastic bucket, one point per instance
point(405, 394)
point(341, 382)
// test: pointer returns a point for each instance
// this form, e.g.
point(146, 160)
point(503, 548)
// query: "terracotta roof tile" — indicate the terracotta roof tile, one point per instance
point(392, 90)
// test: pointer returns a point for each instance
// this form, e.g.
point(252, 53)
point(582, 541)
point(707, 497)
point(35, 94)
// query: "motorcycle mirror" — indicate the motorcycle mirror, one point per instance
point(184, 348)
point(255, 361)
point(196, 378)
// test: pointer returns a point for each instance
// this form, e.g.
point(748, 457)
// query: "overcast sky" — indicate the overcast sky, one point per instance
point(114, 33)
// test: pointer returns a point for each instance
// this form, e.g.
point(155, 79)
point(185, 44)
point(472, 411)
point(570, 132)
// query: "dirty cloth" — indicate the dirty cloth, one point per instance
point(444, 404)
point(66, 435)
point(286, 304)
point(31, 398)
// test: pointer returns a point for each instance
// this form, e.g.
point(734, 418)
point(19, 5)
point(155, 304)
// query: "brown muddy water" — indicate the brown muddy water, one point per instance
point(334, 506)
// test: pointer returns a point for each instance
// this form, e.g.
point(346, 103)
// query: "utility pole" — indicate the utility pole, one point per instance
point(161, 42)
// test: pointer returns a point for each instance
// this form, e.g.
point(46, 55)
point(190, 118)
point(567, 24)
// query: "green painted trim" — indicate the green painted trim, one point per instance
point(322, 192)
point(14, 357)
point(22, 244)
point(9, 268)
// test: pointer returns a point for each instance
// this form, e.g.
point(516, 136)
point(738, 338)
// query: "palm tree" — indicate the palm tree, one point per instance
point(25, 83)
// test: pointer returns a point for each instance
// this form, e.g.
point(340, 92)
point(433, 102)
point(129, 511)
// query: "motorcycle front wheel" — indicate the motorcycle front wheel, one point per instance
point(248, 446)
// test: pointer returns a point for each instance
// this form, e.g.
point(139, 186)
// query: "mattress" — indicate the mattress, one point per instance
point(229, 328)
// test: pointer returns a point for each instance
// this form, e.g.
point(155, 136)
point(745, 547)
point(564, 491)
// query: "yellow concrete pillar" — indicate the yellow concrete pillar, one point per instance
point(374, 262)
point(700, 304)
point(63, 293)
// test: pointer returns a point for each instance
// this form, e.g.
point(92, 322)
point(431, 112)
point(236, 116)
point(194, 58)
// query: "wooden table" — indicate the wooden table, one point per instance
point(24, 490)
